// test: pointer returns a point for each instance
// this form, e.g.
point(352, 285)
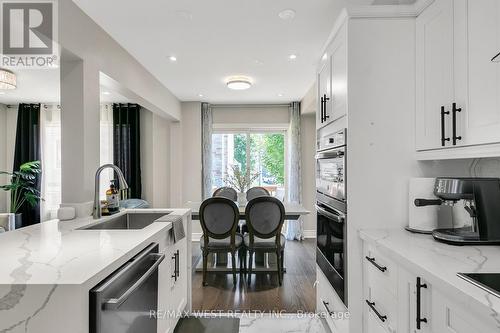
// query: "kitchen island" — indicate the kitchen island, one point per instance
point(47, 270)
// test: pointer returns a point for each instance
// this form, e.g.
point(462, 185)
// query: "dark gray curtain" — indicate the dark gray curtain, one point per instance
point(127, 145)
point(28, 149)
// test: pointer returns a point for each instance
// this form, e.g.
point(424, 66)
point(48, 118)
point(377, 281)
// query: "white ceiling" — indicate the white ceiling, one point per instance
point(219, 38)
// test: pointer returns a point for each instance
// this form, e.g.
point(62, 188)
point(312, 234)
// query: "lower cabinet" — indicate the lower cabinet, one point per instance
point(330, 306)
point(403, 301)
point(172, 283)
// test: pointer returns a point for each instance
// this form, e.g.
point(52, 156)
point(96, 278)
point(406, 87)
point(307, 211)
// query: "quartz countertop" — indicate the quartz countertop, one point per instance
point(439, 263)
point(59, 253)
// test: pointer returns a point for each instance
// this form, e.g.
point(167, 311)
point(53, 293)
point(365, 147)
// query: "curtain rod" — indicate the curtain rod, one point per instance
point(248, 105)
point(10, 106)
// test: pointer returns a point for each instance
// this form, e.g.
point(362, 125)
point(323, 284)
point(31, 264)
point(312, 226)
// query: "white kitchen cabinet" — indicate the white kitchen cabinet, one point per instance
point(456, 40)
point(435, 74)
point(482, 121)
point(448, 316)
point(329, 305)
point(165, 321)
point(332, 80)
point(324, 93)
point(178, 278)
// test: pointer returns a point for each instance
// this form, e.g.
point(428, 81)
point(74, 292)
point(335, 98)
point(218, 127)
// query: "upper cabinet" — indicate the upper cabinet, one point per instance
point(458, 86)
point(332, 80)
point(435, 75)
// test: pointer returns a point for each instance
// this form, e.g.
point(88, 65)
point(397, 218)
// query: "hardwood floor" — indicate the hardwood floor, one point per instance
point(263, 293)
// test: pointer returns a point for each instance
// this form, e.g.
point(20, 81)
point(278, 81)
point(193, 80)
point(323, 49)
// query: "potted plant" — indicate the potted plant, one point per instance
point(22, 187)
point(241, 181)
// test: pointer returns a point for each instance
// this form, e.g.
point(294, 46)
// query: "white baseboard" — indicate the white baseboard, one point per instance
point(308, 234)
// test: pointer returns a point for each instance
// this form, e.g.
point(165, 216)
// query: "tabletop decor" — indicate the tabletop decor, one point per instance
point(241, 181)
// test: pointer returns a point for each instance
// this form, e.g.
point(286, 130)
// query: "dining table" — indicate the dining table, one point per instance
point(263, 262)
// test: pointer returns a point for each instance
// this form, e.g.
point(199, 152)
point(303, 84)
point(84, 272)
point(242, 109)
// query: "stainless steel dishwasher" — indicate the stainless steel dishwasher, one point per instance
point(124, 301)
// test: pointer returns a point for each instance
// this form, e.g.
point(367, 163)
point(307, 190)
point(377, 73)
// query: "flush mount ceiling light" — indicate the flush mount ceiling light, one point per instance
point(172, 58)
point(239, 83)
point(287, 14)
point(292, 56)
point(7, 79)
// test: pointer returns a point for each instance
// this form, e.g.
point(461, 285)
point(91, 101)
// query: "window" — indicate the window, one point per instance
point(106, 148)
point(258, 154)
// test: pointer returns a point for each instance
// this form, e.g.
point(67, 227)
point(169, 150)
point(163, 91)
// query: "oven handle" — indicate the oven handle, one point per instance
point(114, 303)
point(337, 218)
point(330, 154)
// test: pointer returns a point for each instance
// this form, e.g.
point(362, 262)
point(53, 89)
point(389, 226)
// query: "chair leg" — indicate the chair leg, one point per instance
point(278, 262)
point(250, 259)
point(282, 264)
point(233, 262)
point(205, 260)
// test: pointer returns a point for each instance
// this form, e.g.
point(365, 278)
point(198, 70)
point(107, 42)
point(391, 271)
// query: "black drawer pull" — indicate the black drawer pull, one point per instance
point(374, 263)
point(443, 127)
point(330, 313)
point(372, 306)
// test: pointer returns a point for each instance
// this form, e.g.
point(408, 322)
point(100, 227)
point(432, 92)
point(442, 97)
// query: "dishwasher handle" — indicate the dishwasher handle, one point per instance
point(114, 303)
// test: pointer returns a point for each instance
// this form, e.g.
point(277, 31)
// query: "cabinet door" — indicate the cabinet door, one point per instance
point(407, 303)
point(165, 321)
point(324, 90)
point(454, 317)
point(179, 277)
point(482, 121)
point(435, 73)
point(337, 106)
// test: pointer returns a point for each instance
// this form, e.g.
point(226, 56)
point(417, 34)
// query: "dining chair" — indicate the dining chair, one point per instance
point(265, 217)
point(257, 191)
point(219, 220)
point(226, 192)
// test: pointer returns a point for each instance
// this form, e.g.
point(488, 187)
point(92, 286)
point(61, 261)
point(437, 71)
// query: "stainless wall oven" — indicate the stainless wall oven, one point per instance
point(331, 209)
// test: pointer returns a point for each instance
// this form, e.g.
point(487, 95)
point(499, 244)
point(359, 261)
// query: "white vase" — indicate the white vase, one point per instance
point(242, 199)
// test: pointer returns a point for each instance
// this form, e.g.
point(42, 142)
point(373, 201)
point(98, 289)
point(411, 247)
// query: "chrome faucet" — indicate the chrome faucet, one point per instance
point(122, 186)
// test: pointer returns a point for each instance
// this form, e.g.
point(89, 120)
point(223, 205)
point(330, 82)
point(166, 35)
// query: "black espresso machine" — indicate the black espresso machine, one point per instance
point(482, 198)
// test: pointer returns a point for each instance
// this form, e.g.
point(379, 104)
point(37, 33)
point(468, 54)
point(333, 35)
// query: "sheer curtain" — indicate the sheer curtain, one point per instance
point(207, 129)
point(295, 229)
point(51, 160)
point(106, 147)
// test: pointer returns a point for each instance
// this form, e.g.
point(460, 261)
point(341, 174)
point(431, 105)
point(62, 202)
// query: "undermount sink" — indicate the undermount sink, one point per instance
point(128, 221)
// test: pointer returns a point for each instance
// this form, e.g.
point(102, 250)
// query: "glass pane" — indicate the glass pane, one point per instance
point(267, 160)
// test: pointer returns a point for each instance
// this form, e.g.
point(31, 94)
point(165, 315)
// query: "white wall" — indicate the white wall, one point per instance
point(155, 159)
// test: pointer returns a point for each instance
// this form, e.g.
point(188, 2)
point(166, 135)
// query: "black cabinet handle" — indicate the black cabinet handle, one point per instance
point(178, 264)
point(454, 118)
point(327, 308)
point(372, 306)
point(325, 99)
point(420, 285)
point(174, 258)
point(374, 263)
point(443, 134)
point(321, 110)
point(427, 202)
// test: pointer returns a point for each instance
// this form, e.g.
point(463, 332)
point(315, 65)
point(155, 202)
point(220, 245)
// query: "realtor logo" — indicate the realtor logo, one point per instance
point(27, 28)
point(29, 34)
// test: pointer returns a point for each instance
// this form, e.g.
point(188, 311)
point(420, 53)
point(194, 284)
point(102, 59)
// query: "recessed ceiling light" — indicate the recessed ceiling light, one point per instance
point(280, 95)
point(287, 14)
point(239, 83)
point(106, 93)
point(200, 95)
point(172, 58)
point(324, 56)
point(258, 62)
point(292, 56)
